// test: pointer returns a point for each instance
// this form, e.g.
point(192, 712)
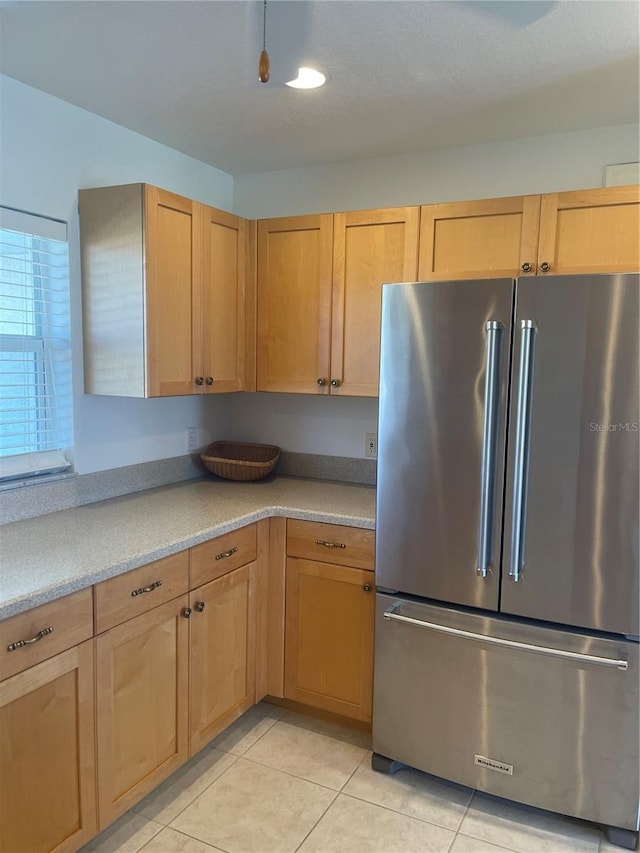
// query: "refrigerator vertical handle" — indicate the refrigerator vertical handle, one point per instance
point(521, 452)
point(491, 419)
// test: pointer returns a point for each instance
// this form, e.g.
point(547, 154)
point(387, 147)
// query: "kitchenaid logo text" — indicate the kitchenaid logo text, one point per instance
point(621, 426)
point(491, 764)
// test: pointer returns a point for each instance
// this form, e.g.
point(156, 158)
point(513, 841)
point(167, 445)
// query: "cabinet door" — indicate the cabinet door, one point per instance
point(223, 653)
point(173, 270)
point(142, 701)
point(219, 305)
point(590, 231)
point(370, 247)
point(47, 755)
point(294, 299)
point(493, 238)
point(329, 637)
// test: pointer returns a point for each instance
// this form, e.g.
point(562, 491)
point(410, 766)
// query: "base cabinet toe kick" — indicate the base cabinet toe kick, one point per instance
point(473, 710)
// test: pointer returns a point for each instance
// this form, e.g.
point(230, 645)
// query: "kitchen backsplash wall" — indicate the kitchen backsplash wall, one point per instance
point(332, 426)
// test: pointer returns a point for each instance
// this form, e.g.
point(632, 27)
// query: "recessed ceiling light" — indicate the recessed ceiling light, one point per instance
point(308, 78)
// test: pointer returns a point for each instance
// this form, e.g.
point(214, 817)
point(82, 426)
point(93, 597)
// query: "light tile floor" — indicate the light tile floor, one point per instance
point(279, 782)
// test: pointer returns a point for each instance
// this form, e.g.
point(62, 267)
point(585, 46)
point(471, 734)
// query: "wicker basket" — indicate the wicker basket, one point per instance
point(236, 460)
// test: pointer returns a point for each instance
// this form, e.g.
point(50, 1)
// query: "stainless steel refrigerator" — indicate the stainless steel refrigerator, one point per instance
point(506, 649)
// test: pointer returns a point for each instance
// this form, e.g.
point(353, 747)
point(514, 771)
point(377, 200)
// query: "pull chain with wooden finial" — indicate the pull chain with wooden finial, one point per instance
point(263, 64)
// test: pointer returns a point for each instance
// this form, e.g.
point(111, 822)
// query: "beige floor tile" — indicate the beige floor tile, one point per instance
point(254, 809)
point(465, 844)
point(127, 835)
point(170, 841)
point(411, 792)
point(248, 728)
point(182, 787)
point(527, 829)
point(357, 737)
point(307, 754)
point(353, 826)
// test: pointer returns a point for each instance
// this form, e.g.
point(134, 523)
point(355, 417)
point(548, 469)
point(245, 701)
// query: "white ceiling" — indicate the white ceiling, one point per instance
point(403, 76)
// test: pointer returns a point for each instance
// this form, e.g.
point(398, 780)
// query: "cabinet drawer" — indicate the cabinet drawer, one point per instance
point(331, 543)
point(215, 558)
point(137, 591)
point(67, 622)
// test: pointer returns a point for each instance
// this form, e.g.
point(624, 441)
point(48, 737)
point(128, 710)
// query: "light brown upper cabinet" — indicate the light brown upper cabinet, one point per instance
point(490, 238)
point(370, 247)
point(163, 281)
point(590, 231)
point(585, 231)
point(319, 286)
point(294, 303)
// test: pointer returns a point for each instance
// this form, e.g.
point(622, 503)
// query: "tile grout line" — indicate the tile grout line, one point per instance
point(291, 775)
point(337, 794)
point(464, 814)
point(191, 802)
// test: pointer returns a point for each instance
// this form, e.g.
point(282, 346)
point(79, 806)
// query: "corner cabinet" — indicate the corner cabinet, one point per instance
point(163, 281)
point(329, 618)
point(319, 294)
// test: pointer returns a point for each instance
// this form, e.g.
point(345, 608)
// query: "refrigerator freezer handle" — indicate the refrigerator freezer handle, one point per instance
point(491, 419)
point(563, 654)
point(521, 452)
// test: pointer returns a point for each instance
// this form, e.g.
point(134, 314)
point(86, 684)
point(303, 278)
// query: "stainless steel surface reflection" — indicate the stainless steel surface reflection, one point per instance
point(430, 438)
point(567, 728)
point(580, 555)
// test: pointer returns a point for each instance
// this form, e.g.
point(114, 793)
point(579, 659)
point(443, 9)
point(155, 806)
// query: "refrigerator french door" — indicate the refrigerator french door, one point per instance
point(507, 539)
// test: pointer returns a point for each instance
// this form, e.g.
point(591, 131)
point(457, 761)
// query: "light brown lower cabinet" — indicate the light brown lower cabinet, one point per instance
point(222, 646)
point(47, 774)
point(142, 669)
point(329, 637)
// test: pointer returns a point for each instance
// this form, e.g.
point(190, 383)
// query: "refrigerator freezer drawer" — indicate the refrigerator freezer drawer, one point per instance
point(540, 716)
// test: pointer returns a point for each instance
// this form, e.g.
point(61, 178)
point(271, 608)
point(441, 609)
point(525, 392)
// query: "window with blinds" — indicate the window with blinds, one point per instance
point(35, 346)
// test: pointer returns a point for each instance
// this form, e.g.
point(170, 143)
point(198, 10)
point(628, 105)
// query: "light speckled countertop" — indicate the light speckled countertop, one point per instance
point(44, 558)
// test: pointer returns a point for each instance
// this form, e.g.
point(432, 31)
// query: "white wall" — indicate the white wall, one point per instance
point(540, 164)
point(513, 167)
point(334, 426)
point(50, 149)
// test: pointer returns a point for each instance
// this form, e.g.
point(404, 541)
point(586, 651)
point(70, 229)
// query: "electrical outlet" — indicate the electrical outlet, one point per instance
point(371, 444)
point(192, 439)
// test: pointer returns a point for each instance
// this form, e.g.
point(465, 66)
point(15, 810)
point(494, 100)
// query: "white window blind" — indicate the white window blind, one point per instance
point(35, 347)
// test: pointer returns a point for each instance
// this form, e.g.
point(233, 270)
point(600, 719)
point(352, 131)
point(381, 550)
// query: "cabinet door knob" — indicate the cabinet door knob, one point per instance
point(336, 383)
point(322, 382)
point(367, 587)
point(199, 380)
point(545, 267)
point(200, 606)
point(209, 380)
point(186, 612)
point(526, 267)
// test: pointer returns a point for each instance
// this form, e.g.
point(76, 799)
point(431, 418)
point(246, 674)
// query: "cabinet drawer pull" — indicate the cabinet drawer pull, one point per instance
point(228, 553)
point(330, 544)
point(187, 612)
point(367, 587)
point(200, 606)
point(545, 266)
point(45, 632)
point(144, 589)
